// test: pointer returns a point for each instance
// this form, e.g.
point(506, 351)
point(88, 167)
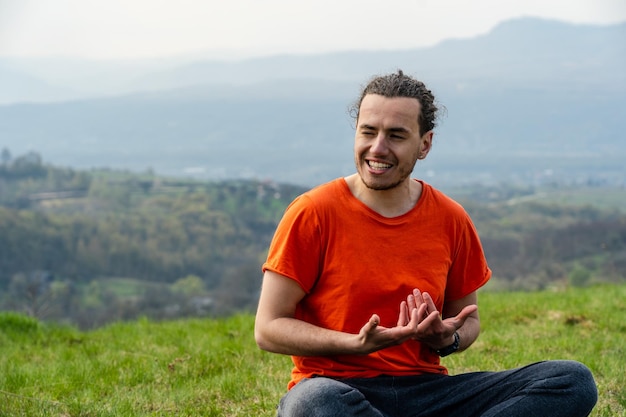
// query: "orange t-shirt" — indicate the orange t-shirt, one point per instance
point(352, 262)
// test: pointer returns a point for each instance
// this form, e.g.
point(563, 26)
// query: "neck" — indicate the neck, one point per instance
point(393, 202)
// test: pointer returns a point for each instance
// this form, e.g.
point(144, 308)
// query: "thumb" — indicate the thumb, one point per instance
point(374, 321)
point(465, 313)
point(370, 326)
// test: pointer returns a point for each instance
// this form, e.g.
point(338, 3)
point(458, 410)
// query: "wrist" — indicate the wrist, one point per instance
point(451, 348)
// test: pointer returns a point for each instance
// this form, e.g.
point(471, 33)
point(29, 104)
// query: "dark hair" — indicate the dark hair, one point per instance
point(400, 85)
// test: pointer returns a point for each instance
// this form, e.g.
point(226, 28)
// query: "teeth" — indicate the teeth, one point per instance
point(379, 165)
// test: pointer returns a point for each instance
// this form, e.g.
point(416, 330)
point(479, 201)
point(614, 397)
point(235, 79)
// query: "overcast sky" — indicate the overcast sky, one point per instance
point(103, 29)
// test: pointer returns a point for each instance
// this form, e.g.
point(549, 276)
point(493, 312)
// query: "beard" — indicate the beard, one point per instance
point(379, 184)
point(372, 185)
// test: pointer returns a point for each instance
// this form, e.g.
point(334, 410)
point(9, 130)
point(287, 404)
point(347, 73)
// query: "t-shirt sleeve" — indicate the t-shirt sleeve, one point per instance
point(469, 270)
point(295, 249)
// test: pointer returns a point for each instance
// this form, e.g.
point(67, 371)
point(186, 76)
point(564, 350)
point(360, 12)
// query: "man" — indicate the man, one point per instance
point(371, 278)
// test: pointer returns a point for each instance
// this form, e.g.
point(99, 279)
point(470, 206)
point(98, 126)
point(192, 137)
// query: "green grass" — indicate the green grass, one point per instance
point(213, 368)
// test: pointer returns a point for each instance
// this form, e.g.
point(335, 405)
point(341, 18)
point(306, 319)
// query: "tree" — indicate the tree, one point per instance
point(190, 285)
point(32, 292)
point(5, 156)
point(579, 276)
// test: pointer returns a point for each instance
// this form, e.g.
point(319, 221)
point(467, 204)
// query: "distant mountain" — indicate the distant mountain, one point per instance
point(546, 51)
point(72, 78)
point(17, 85)
point(514, 51)
point(534, 100)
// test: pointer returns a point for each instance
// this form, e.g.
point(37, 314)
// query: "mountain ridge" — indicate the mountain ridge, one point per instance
point(125, 77)
point(514, 113)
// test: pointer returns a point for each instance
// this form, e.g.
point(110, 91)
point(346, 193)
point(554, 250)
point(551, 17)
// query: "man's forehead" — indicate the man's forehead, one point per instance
point(377, 99)
point(400, 106)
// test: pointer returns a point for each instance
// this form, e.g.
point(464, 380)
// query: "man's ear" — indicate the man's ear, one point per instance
point(426, 142)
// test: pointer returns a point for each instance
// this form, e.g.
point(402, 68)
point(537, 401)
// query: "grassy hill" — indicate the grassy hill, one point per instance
point(201, 367)
point(94, 247)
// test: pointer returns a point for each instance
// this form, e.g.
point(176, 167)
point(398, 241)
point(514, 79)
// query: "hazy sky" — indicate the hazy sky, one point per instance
point(151, 28)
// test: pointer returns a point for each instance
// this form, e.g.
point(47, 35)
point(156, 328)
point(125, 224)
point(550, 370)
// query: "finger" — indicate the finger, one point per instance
point(419, 299)
point(429, 302)
point(373, 322)
point(410, 301)
point(403, 317)
point(429, 326)
point(422, 313)
point(415, 319)
point(465, 313)
point(370, 327)
point(432, 320)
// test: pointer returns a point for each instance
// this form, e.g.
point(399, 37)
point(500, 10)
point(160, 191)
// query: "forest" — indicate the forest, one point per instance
point(89, 247)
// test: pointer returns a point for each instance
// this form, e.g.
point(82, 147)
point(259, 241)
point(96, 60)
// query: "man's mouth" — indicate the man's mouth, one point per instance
point(379, 166)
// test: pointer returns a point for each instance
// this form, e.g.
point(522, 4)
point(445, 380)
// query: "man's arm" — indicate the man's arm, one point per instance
point(277, 330)
point(468, 332)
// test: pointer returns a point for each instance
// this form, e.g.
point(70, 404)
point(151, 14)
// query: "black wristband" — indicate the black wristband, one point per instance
point(449, 349)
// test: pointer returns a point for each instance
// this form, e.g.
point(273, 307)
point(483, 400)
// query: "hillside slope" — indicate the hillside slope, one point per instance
point(213, 367)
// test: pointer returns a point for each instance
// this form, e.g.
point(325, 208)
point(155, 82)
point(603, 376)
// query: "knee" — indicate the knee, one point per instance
point(578, 373)
point(578, 382)
point(320, 397)
point(584, 381)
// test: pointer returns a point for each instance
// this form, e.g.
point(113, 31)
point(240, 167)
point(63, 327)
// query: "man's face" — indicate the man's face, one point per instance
point(387, 142)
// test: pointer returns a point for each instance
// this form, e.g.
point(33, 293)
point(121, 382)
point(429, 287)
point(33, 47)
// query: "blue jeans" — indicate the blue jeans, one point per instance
point(551, 388)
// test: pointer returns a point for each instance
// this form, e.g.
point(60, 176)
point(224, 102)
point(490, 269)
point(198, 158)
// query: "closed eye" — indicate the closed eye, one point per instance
point(398, 133)
point(367, 132)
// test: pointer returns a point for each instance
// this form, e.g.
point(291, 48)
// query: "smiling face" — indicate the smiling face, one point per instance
point(387, 142)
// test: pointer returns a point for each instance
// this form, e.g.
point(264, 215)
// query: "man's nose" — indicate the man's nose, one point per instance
point(379, 146)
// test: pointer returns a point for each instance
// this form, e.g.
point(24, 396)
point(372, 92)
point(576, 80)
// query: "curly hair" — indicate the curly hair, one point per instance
point(400, 85)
